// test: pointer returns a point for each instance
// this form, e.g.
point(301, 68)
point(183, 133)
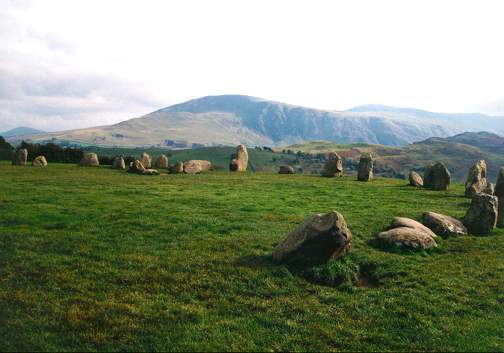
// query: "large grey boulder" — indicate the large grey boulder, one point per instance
point(481, 217)
point(197, 166)
point(286, 169)
point(415, 179)
point(489, 189)
point(240, 162)
point(499, 192)
point(365, 172)
point(333, 165)
point(408, 233)
point(90, 160)
point(162, 162)
point(146, 160)
point(39, 161)
point(119, 163)
point(20, 157)
point(476, 179)
point(437, 177)
point(136, 167)
point(443, 225)
point(322, 237)
point(177, 168)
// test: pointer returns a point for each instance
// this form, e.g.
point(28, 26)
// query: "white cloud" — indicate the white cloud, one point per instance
point(68, 64)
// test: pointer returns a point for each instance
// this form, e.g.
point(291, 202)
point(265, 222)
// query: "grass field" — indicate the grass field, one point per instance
point(97, 259)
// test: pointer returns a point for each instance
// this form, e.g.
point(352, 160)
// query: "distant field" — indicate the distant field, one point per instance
point(97, 259)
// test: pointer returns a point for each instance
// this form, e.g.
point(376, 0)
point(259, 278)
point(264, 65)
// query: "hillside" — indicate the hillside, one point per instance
point(103, 260)
point(21, 131)
point(234, 119)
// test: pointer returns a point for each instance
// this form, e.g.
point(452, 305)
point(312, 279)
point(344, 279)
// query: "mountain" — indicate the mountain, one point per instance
point(21, 131)
point(234, 119)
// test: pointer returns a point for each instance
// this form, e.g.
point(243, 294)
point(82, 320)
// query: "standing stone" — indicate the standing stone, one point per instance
point(20, 157)
point(443, 225)
point(476, 179)
point(489, 189)
point(437, 177)
point(146, 160)
point(90, 160)
point(136, 167)
point(321, 238)
point(286, 169)
point(365, 172)
point(415, 179)
point(177, 168)
point(481, 217)
point(499, 192)
point(240, 162)
point(162, 162)
point(197, 166)
point(333, 165)
point(39, 161)
point(119, 163)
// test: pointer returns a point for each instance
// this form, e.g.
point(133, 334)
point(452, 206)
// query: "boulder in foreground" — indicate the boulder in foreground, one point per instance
point(481, 217)
point(20, 157)
point(476, 179)
point(162, 162)
point(437, 177)
point(146, 160)
point(90, 160)
point(39, 161)
point(408, 233)
point(415, 179)
point(119, 163)
point(365, 172)
point(240, 162)
point(286, 169)
point(443, 225)
point(322, 237)
point(197, 166)
point(177, 168)
point(333, 165)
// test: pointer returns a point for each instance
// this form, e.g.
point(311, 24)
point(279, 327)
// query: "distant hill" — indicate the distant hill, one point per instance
point(234, 119)
point(21, 131)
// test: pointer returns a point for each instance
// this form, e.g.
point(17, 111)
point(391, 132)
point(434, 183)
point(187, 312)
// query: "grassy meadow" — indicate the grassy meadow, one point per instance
point(98, 259)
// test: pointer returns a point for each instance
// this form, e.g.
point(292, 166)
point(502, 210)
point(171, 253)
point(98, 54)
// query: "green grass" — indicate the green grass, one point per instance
point(97, 259)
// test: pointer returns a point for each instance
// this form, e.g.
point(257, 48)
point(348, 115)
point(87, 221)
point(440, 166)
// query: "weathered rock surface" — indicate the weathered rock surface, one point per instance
point(197, 166)
point(20, 157)
point(119, 163)
point(162, 162)
point(240, 162)
point(476, 179)
point(481, 217)
point(443, 225)
point(146, 160)
point(365, 172)
point(415, 179)
point(177, 168)
point(333, 165)
point(320, 238)
point(437, 177)
point(90, 160)
point(136, 167)
point(408, 233)
point(150, 172)
point(39, 161)
point(489, 189)
point(286, 169)
point(499, 192)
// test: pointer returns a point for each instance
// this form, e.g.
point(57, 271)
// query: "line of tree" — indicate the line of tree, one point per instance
point(53, 152)
point(6, 149)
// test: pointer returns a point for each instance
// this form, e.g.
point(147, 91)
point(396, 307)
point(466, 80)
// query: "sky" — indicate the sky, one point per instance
point(73, 64)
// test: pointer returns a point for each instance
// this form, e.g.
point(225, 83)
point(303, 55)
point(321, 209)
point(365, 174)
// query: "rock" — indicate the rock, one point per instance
point(90, 160)
point(415, 179)
point(150, 172)
point(322, 237)
point(240, 162)
point(177, 168)
point(499, 192)
point(162, 162)
point(399, 222)
point(119, 163)
point(365, 172)
point(476, 179)
point(20, 157)
point(146, 160)
point(333, 165)
point(443, 225)
point(286, 169)
point(437, 177)
point(490, 189)
point(136, 167)
point(196, 166)
point(481, 217)
point(39, 161)
point(407, 237)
